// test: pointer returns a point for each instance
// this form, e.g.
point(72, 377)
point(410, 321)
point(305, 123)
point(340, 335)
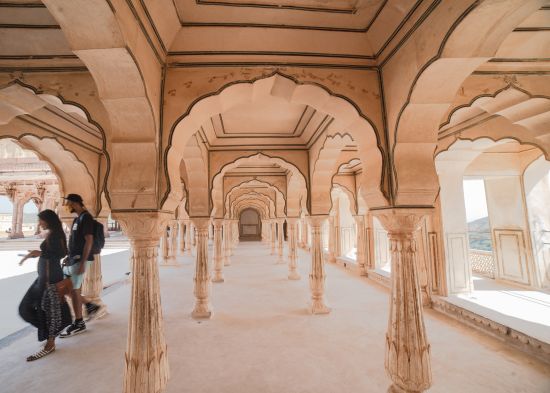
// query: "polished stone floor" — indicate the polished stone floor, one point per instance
point(261, 339)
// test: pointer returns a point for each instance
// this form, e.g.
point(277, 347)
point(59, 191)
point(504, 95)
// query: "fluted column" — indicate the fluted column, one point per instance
point(235, 233)
point(92, 287)
point(226, 244)
point(17, 220)
point(305, 233)
point(292, 249)
point(331, 240)
point(146, 361)
point(361, 245)
point(407, 348)
point(181, 228)
point(187, 235)
point(168, 246)
point(218, 251)
point(317, 275)
point(202, 272)
point(173, 239)
point(273, 237)
point(280, 238)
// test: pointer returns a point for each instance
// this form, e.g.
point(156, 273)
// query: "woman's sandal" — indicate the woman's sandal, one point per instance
point(40, 354)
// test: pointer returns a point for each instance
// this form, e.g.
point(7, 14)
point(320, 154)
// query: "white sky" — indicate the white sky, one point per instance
point(6, 206)
point(474, 198)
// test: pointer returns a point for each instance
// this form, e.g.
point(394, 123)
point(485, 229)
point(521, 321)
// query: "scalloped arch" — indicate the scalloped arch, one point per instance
point(346, 114)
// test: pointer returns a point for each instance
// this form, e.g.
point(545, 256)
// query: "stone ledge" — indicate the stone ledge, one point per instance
point(380, 276)
point(516, 339)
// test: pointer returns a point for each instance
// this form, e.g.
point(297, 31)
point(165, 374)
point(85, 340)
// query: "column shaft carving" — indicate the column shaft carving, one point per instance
point(202, 273)
point(188, 235)
point(361, 245)
point(92, 287)
point(317, 275)
point(331, 240)
point(146, 361)
point(181, 227)
point(292, 249)
point(280, 237)
point(226, 243)
point(273, 237)
point(407, 348)
point(218, 252)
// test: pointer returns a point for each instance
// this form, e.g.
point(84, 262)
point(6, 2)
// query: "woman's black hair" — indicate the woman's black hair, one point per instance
point(55, 227)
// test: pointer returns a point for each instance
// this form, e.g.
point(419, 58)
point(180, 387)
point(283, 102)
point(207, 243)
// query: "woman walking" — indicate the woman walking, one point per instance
point(41, 305)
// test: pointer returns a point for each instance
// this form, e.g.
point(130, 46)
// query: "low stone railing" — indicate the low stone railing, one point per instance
point(483, 263)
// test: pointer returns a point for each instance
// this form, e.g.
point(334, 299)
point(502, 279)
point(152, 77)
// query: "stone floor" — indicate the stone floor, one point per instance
point(261, 339)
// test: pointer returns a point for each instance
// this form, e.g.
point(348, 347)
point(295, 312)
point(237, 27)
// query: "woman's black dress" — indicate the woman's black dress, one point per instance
point(30, 308)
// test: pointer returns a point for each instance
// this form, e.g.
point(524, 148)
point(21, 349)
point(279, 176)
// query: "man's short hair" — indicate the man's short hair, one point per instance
point(74, 198)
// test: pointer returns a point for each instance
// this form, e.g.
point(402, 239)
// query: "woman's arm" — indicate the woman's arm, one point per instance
point(31, 254)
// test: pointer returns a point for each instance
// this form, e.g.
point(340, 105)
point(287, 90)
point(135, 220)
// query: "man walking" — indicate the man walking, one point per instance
point(80, 258)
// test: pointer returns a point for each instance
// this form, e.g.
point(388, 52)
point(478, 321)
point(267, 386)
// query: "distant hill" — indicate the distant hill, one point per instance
point(479, 232)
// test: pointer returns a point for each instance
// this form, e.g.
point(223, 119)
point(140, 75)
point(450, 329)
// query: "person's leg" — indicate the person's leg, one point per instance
point(27, 309)
point(77, 304)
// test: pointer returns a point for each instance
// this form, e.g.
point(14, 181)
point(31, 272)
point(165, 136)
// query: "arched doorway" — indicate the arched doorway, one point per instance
point(250, 227)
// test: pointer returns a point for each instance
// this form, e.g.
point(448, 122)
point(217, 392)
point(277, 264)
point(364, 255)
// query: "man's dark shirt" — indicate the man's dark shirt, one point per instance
point(82, 225)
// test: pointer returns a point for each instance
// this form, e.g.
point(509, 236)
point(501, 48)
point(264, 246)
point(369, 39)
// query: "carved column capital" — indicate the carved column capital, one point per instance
point(140, 226)
point(201, 223)
point(401, 221)
point(317, 220)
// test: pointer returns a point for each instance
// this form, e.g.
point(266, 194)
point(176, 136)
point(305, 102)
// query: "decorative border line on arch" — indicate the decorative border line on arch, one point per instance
point(384, 159)
point(100, 189)
point(285, 195)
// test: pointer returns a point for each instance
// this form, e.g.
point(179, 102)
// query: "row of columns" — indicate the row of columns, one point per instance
point(407, 350)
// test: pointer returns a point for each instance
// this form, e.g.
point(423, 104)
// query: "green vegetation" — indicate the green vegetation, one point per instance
point(479, 233)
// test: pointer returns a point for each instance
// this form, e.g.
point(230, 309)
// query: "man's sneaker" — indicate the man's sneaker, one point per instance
point(92, 310)
point(74, 329)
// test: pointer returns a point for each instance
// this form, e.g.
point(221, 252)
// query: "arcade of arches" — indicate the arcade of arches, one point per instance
point(348, 129)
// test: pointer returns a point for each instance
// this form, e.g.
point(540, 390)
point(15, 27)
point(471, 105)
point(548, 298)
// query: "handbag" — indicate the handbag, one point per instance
point(63, 287)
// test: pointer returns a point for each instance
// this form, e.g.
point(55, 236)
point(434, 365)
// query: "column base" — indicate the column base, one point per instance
point(318, 307)
point(201, 312)
point(396, 389)
point(16, 236)
point(227, 262)
point(218, 278)
point(294, 276)
point(361, 271)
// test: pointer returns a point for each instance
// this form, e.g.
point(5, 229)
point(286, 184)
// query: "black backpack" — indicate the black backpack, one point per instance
point(99, 238)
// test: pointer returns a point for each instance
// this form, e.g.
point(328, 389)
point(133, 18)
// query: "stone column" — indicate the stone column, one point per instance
point(361, 245)
point(292, 249)
point(188, 235)
point(17, 220)
point(407, 349)
point(146, 360)
point(218, 251)
point(235, 233)
point(226, 244)
point(280, 238)
point(181, 227)
point(331, 240)
point(173, 239)
point(202, 274)
point(273, 236)
point(317, 275)
point(92, 287)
